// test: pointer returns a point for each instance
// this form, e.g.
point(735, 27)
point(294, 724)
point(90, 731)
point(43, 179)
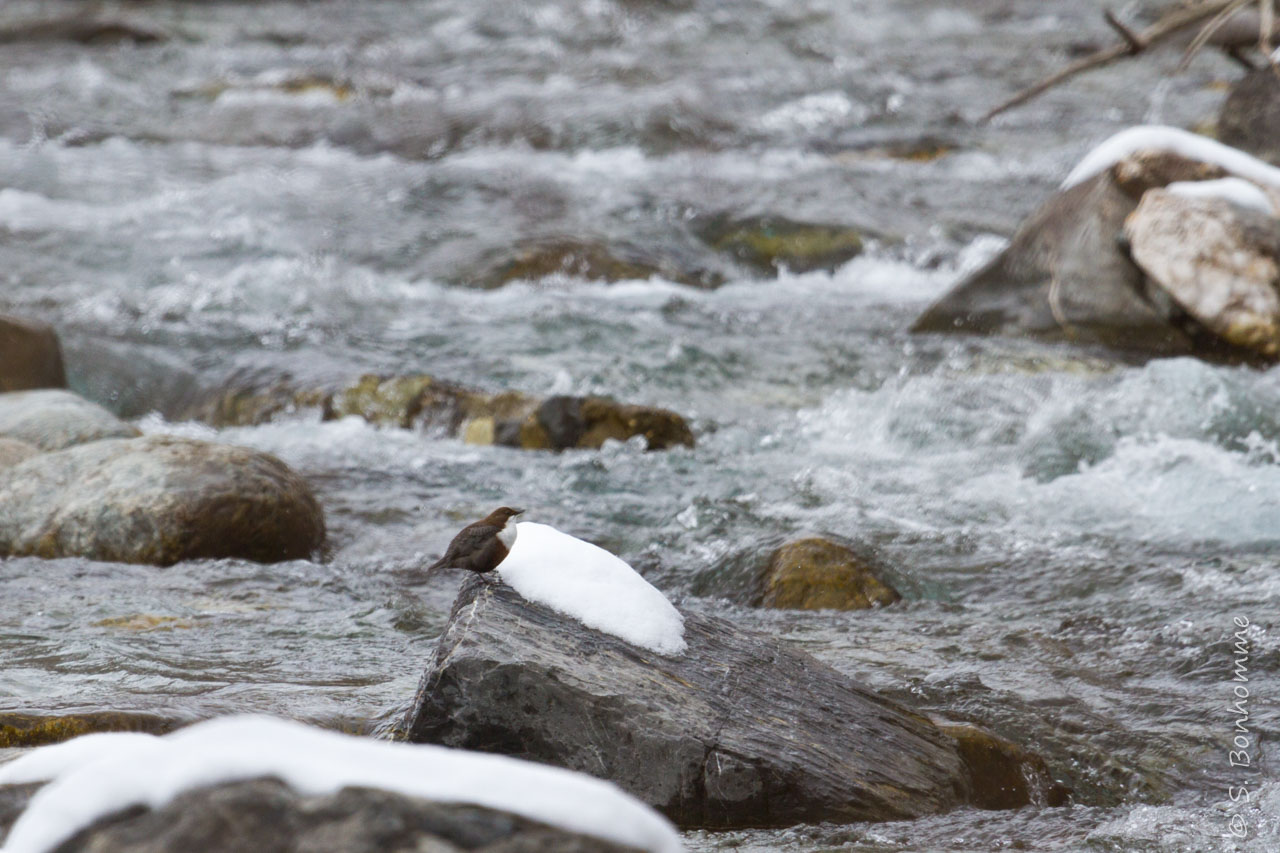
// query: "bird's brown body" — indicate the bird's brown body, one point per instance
point(478, 547)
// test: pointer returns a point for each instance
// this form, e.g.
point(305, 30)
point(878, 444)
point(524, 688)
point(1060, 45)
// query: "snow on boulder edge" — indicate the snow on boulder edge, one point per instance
point(587, 583)
point(90, 784)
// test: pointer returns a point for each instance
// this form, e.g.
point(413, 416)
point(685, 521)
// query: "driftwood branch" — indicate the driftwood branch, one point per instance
point(1133, 43)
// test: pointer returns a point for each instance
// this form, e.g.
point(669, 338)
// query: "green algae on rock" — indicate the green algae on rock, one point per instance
point(770, 243)
point(586, 259)
point(817, 574)
point(157, 500)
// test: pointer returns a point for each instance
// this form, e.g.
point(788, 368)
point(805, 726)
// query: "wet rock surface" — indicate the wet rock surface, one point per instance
point(30, 355)
point(28, 730)
point(738, 731)
point(157, 500)
point(53, 419)
point(1005, 775)
point(817, 574)
point(266, 815)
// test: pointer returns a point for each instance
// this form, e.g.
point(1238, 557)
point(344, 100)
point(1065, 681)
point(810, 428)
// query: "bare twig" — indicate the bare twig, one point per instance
point(1172, 23)
point(1136, 44)
point(1207, 31)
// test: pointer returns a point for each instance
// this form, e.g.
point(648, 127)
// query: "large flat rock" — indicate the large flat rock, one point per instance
point(739, 731)
point(157, 499)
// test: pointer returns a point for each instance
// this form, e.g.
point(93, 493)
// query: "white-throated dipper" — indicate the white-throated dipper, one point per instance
point(482, 545)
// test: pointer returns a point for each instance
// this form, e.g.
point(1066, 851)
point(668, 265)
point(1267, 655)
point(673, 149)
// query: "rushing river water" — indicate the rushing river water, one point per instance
point(295, 187)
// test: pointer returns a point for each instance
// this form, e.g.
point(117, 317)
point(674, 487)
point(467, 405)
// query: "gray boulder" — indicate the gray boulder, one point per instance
point(266, 816)
point(29, 355)
point(53, 419)
point(738, 731)
point(1250, 116)
point(157, 499)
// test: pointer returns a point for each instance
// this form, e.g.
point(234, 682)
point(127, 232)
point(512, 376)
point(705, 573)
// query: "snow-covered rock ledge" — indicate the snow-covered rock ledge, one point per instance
point(242, 783)
point(738, 730)
point(1114, 259)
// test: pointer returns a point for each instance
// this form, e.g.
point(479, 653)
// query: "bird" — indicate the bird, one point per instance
point(482, 545)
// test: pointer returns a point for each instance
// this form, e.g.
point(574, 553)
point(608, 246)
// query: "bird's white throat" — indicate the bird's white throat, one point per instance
point(508, 535)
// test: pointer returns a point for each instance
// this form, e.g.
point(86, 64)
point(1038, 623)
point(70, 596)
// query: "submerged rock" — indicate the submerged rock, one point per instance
point(1250, 116)
point(157, 499)
point(508, 418)
point(53, 419)
point(770, 243)
point(593, 261)
point(1219, 261)
point(1068, 274)
point(738, 731)
point(817, 574)
point(27, 730)
point(30, 356)
point(268, 815)
point(1005, 775)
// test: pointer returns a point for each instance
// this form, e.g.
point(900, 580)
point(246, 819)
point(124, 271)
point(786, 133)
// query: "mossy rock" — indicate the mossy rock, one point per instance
point(771, 242)
point(1005, 776)
point(54, 419)
point(30, 355)
point(585, 259)
point(27, 730)
point(256, 406)
point(816, 574)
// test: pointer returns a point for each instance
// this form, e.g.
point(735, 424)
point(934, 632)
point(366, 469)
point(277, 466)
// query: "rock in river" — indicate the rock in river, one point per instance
point(53, 419)
point(1220, 261)
point(509, 418)
point(817, 574)
point(740, 730)
point(157, 499)
point(1068, 272)
point(30, 356)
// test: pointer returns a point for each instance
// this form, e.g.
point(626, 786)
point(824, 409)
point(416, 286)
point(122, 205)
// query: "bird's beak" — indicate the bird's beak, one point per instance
point(518, 512)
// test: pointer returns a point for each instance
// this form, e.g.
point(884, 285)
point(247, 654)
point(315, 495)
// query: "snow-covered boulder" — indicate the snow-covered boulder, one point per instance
point(157, 499)
point(737, 730)
point(1068, 274)
point(255, 783)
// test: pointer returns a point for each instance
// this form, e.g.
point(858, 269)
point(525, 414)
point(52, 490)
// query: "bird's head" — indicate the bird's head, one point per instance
point(503, 513)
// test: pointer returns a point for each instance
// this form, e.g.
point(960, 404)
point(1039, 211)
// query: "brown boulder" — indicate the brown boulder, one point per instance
point(1005, 776)
point(30, 356)
point(816, 574)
